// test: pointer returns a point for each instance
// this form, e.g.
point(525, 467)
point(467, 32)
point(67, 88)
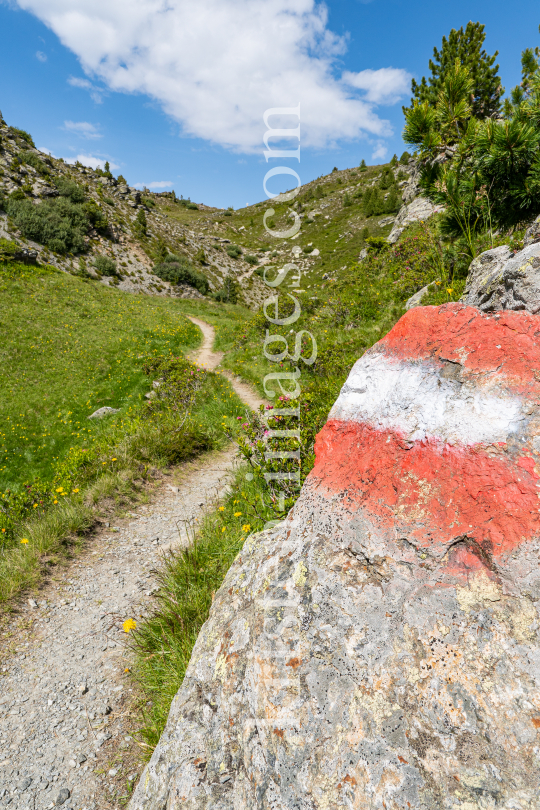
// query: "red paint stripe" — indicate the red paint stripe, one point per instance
point(430, 492)
point(467, 336)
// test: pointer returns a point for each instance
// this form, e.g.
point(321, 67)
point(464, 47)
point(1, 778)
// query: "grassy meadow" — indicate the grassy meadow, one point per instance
point(70, 347)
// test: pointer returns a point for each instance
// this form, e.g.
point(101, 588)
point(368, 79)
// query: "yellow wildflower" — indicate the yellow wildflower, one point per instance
point(221, 508)
point(224, 529)
point(129, 624)
point(55, 501)
point(237, 514)
point(59, 489)
point(246, 528)
point(75, 490)
point(24, 541)
point(449, 290)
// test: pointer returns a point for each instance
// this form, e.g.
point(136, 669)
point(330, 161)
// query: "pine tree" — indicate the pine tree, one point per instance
point(363, 167)
point(466, 46)
point(530, 65)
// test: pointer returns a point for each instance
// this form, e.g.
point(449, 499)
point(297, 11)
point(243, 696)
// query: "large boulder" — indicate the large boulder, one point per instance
point(380, 647)
point(499, 279)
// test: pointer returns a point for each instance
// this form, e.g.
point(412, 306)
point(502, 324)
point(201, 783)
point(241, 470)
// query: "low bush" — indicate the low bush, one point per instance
point(71, 190)
point(8, 250)
point(21, 133)
point(178, 270)
point(234, 251)
point(58, 223)
point(229, 293)
point(251, 259)
point(105, 266)
point(31, 159)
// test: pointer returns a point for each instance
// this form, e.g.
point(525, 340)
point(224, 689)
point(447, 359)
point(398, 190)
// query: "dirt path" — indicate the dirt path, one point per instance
point(64, 694)
point(206, 357)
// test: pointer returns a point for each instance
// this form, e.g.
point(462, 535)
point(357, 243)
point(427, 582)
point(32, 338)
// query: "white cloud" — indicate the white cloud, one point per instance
point(155, 184)
point(84, 84)
point(379, 152)
point(96, 93)
point(41, 56)
point(82, 128)
point(383, 86)
point(92, 161)
point(216, 65)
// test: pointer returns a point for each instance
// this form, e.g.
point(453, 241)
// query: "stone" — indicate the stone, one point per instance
point(416, 211)
point(24, 784)
point(101, 412)
point(62, 797)
point(500, 280)
point(380, 647)
point(532, 233)
point(416, 299)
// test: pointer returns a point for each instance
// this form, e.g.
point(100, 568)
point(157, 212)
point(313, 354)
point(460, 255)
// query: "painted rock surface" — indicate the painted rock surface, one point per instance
point(380, 648)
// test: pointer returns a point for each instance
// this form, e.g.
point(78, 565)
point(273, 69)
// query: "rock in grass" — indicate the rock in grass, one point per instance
point(416, 299)
point(380, 648)
point(418, 210)
point(101, 412)
point(499, 280)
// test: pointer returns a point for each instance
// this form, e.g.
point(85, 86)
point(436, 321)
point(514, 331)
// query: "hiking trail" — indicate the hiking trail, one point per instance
point(65, 700)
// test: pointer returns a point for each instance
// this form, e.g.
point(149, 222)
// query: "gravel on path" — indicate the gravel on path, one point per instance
point(65, 698)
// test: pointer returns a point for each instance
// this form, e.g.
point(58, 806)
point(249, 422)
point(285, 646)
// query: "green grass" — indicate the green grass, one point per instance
point(68, 348)
point(188, 580)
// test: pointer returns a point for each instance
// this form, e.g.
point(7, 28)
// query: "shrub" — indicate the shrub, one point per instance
point(200, 256)
point(229, 293)
point(95, 216)
point(58, 223)
point(404, 159)
point(31, 159)
point(251, 259)
point(363, 167)
point(192, 206)
point(227, 213)
point(335, 169)
point(105, 266)
point(21, 133)
point(8, 250)
point(178, 270)
point(71, 190)
point(346, 201)
point(234, 251)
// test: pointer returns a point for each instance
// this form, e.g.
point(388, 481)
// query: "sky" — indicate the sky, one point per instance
point(173, 93)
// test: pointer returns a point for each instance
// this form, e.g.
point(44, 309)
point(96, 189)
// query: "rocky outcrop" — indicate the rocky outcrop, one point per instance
point(416, 211)
point(499, 280)
point(380, 648)
point(532, 234)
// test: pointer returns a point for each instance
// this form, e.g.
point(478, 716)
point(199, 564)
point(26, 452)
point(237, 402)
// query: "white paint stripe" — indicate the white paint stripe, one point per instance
point(413, 399)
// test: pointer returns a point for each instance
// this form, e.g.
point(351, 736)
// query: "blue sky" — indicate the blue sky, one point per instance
point(173, 93)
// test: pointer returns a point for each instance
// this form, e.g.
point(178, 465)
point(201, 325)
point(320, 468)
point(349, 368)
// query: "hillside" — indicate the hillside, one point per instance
point(137, 229)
